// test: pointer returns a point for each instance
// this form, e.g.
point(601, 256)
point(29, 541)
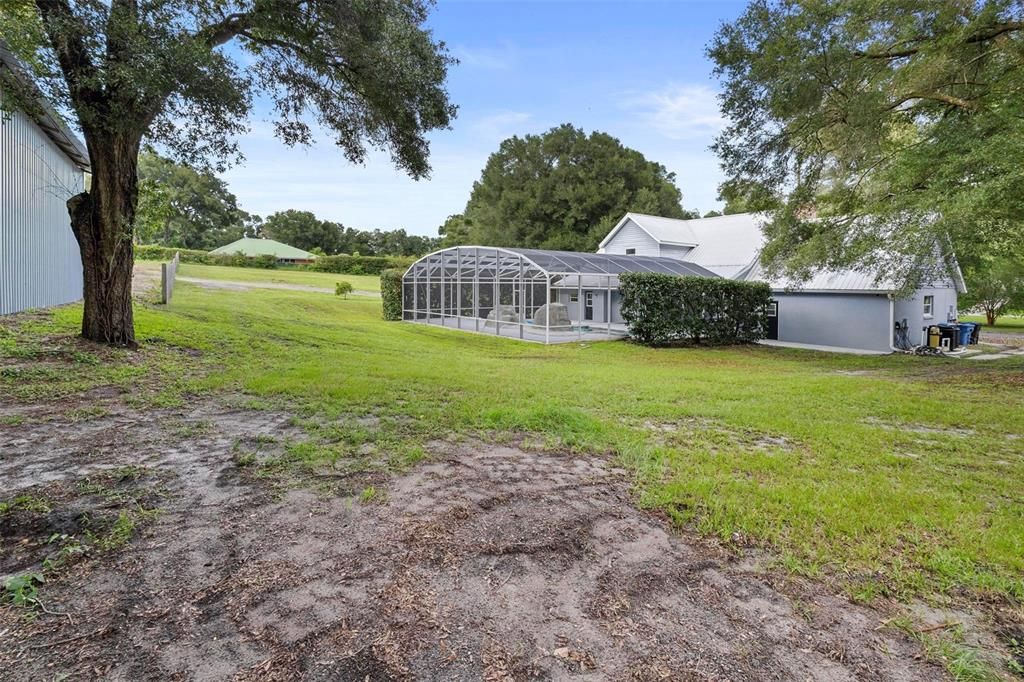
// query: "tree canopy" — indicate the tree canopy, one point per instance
point(366, 72)
point(182, 207)
point(304, 230)
point(562, 189)
point(872, 128)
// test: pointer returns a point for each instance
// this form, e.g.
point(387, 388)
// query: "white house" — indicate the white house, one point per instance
point(844, 309)
point(42, 164)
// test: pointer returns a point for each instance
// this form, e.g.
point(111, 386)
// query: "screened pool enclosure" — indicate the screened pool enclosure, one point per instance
point(529, 294)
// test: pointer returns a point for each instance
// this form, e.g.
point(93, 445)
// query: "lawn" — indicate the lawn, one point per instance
point(898, 476)
point(1006, 323)
point(278, 276)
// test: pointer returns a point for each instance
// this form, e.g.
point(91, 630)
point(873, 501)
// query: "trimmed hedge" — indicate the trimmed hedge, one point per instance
point(360, 265)
point(662, 309)
point(237, 260)
point(391, 293)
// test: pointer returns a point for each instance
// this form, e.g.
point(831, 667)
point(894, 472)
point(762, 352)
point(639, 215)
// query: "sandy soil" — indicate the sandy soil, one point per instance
point(486, 562)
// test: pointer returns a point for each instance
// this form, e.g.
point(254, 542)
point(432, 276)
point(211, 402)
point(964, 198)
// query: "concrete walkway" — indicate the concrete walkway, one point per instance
point(826, 349)
point(242, 286)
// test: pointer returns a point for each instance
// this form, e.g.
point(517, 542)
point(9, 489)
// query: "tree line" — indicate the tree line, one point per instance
point(182, 207)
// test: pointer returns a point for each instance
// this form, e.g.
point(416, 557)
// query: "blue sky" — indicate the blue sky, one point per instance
point(636, 70)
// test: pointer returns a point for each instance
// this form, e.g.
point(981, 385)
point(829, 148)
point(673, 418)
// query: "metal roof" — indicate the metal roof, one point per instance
point(48, 120)
point(249, 246)
point(563, 262)
point(730, 246)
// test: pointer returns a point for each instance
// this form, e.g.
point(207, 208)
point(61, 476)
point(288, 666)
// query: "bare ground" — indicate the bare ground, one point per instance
point(485, 562)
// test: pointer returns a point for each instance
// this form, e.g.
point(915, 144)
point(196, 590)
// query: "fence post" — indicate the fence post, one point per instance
point(167, 274)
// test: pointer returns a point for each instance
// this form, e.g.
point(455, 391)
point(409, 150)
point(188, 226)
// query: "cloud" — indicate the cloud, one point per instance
point(501, 125)
point(679, 112)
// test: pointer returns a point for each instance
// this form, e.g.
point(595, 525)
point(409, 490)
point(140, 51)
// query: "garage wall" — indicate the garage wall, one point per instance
point(39, 259)
point(575, 308)
point(844, 320)
point(912, 309)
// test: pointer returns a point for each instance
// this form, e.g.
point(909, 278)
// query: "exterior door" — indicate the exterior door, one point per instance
point(588, 305)
point(773, 320)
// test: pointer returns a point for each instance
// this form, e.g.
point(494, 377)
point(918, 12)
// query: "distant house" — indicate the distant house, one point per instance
point(42, 165)
point(837, 308)
point(251, 248)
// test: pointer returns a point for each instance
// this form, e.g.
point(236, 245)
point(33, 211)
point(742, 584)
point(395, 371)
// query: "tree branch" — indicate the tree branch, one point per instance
point(224, 30)
point(72, 55)
point(992, 32)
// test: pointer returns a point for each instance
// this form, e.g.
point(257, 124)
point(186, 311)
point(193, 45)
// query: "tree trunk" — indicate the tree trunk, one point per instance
point(102, 220)
point(990, 317)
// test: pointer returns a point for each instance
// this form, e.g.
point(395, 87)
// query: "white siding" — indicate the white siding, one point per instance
point(631, 236)
point(911, 309)
point(39, 259)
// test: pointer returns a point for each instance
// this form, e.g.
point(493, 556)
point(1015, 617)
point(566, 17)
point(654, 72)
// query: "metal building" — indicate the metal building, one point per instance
point(528, 294)
point(42, 164)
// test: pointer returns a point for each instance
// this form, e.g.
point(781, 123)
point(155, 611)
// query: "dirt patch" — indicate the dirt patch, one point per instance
point(483, 563)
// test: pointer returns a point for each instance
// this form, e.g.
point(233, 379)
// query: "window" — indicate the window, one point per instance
point(574, 297)
point(630, 252)
point(929, 305)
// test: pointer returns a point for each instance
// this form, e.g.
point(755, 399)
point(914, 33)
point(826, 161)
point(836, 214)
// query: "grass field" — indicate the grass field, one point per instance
point(899, 476)
point(1007, 323)
point(278, 276)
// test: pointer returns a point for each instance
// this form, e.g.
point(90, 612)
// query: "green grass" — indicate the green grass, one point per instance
point(325, 280)
point(898, 476)
point(1008, 323)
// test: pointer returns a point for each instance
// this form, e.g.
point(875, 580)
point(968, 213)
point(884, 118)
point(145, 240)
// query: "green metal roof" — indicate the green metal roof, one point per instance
point(263, 247)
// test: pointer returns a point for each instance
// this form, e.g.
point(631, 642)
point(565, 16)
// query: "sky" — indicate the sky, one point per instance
point(634, 69)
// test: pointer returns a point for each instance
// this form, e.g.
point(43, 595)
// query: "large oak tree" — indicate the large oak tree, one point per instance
point(562, 189)
point(183, 75)
point(876, 130)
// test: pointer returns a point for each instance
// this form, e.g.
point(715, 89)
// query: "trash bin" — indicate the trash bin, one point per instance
point(975, 332)
point(949, 336)
point(934, 336)
point(966, 330)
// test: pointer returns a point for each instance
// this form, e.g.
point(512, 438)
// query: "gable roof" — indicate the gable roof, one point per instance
point(48, 120)
point(730, 246)
point(661, 230)
point(249, 246)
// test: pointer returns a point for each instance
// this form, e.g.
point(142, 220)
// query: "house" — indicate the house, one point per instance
point(42, 165)
point(528, 294)
point(845, 309)
point(251, 248)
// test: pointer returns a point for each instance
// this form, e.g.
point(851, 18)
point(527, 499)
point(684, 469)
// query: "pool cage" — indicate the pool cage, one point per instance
point(528, 294)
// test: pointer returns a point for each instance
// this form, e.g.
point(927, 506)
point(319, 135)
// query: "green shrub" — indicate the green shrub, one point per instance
point(360, 265)
point(237, 260)
point(391, 293)
point(343, 289)
point(662, 309)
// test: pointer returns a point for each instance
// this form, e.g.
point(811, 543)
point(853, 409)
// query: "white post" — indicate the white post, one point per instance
point(547, 317)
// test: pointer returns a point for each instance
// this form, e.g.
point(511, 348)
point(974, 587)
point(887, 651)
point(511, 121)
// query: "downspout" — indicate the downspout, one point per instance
point(892, 323)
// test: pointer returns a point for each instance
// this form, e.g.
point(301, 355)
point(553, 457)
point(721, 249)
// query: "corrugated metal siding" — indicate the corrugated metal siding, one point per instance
point(39, 259)
point(632, 237)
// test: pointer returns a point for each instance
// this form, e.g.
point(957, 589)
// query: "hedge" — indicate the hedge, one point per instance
point(391, 293)
point(662, 309)
point(360, 265)
point(164, 253)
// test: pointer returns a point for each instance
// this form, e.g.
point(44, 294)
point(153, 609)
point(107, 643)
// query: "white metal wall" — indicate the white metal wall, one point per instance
point(39, 259)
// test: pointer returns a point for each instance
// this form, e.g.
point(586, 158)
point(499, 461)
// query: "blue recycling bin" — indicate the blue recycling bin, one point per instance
point(966, 329)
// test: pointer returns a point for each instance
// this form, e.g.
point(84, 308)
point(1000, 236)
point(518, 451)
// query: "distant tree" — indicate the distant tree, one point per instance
point(745, 197)
point(563, 189)
point(455, 230)
point(303, 230)
point(163, 71)
point(890, 127)
point(185, 208)
point(996, 285)
point(712, 214)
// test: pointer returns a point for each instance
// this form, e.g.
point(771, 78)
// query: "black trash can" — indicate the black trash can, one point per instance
point(949, 336)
